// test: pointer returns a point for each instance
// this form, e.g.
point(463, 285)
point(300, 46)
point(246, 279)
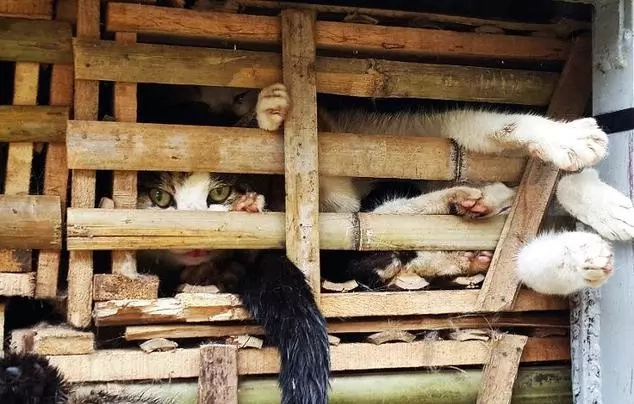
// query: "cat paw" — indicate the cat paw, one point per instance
point(272, 107)
point(565, 263)
point(597, 204)
point(468, 202)
point(572, 146)
point(250, 202)
point(476, 261)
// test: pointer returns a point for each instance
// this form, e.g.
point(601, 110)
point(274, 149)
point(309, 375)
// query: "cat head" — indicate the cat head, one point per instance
point(187, 191)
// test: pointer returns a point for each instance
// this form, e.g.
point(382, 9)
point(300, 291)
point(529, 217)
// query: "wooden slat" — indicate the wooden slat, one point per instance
point(551, 320)
point(107, 60)
point(200, 307)
point(125, 146)
point(33, 123)
point(301, 161)
point(35, 41)
point(2, 331)
point(569, 100)
point(34, 9)
point(121, 286)
point(124, 183)
point(112, 365)
point(80, 266)
point(132, 229)
point(562, 28)
point(333, 35)
point(501, 369)
point(52, 340)
point(30, 222)
point(218, 380)
point(20, 156)
point(55, 179)
point(22, 284)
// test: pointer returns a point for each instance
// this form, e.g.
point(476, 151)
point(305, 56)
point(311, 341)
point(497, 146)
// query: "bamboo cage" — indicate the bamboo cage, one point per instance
point(31, 215)
point(309, 48)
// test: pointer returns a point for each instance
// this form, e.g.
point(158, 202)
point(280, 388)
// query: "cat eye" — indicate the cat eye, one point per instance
point(238, 99)
point(160, 198)
point(219, 194)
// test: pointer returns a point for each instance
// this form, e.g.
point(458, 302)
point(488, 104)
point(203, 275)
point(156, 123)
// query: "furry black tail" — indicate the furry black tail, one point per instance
point(278, 297)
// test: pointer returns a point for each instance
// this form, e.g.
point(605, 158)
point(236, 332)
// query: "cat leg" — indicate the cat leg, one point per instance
point(432, 264)
point(563, 263)
point(597, 204)
point(568, 145)
point(468, 202)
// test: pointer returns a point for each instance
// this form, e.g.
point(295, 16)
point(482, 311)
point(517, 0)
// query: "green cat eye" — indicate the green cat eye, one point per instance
point(219, 194)
point(160, 198)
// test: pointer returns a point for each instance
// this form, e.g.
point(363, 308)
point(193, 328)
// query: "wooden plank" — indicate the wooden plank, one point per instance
point(301, 161)
point(218, 380)
point(2, 331)
point(562, 28)
point(201, 307)
point(112, 364)
point(55, 179)
point(132, 229)
point(33, 123)
point(35, 41)
point(120, 286)
point(86, 101)
point(332, 35)
point(35, 9)
point(107, 60)
point(501, 369)
point(52, 340)
point(22, 284)
point(30, 222)
point(551, 320)
point(20, 155)
point(569, 100)
point(124, 183)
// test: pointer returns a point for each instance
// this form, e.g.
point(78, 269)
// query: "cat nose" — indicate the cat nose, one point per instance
point(13, 372)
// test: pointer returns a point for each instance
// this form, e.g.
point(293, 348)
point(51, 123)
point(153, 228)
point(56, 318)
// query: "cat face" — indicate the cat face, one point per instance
point(187, 191)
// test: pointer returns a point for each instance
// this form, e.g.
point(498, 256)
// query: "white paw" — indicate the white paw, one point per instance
point(272, 107)
point(597, 204)
point(561, 264)
point(571, 146)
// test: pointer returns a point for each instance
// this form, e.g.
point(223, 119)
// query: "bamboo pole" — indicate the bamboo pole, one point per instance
point(338, 36)
point(132, 229)
point(124, 146)
point(108, 60)
point(201, 307)
point(30, 222)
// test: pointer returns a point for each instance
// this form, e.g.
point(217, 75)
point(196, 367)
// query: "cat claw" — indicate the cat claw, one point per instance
point(469, 203)
point(272, 107)
point(250, 202)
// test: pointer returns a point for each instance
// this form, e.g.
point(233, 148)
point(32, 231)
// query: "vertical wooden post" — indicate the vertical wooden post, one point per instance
point(300, 144)
point(500, 373)
point(124, 186)
point(55, 181)
point(19, 161)
point(80, 266)
point(538, 183)
point(2, 309)
point(218, 379)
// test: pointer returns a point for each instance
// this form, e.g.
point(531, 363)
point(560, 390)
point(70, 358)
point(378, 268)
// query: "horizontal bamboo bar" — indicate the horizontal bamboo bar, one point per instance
point(333, 35)
point(17, 284)
point(30, 222)
point(132, 229)
point(33, 123)
point(35, 41)
point(201, 307)
point(113, 365)
point(551, 320)
point(147, 63)
point(125, 146)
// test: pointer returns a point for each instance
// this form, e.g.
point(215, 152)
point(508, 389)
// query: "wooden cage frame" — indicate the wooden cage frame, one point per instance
point(115, 299)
